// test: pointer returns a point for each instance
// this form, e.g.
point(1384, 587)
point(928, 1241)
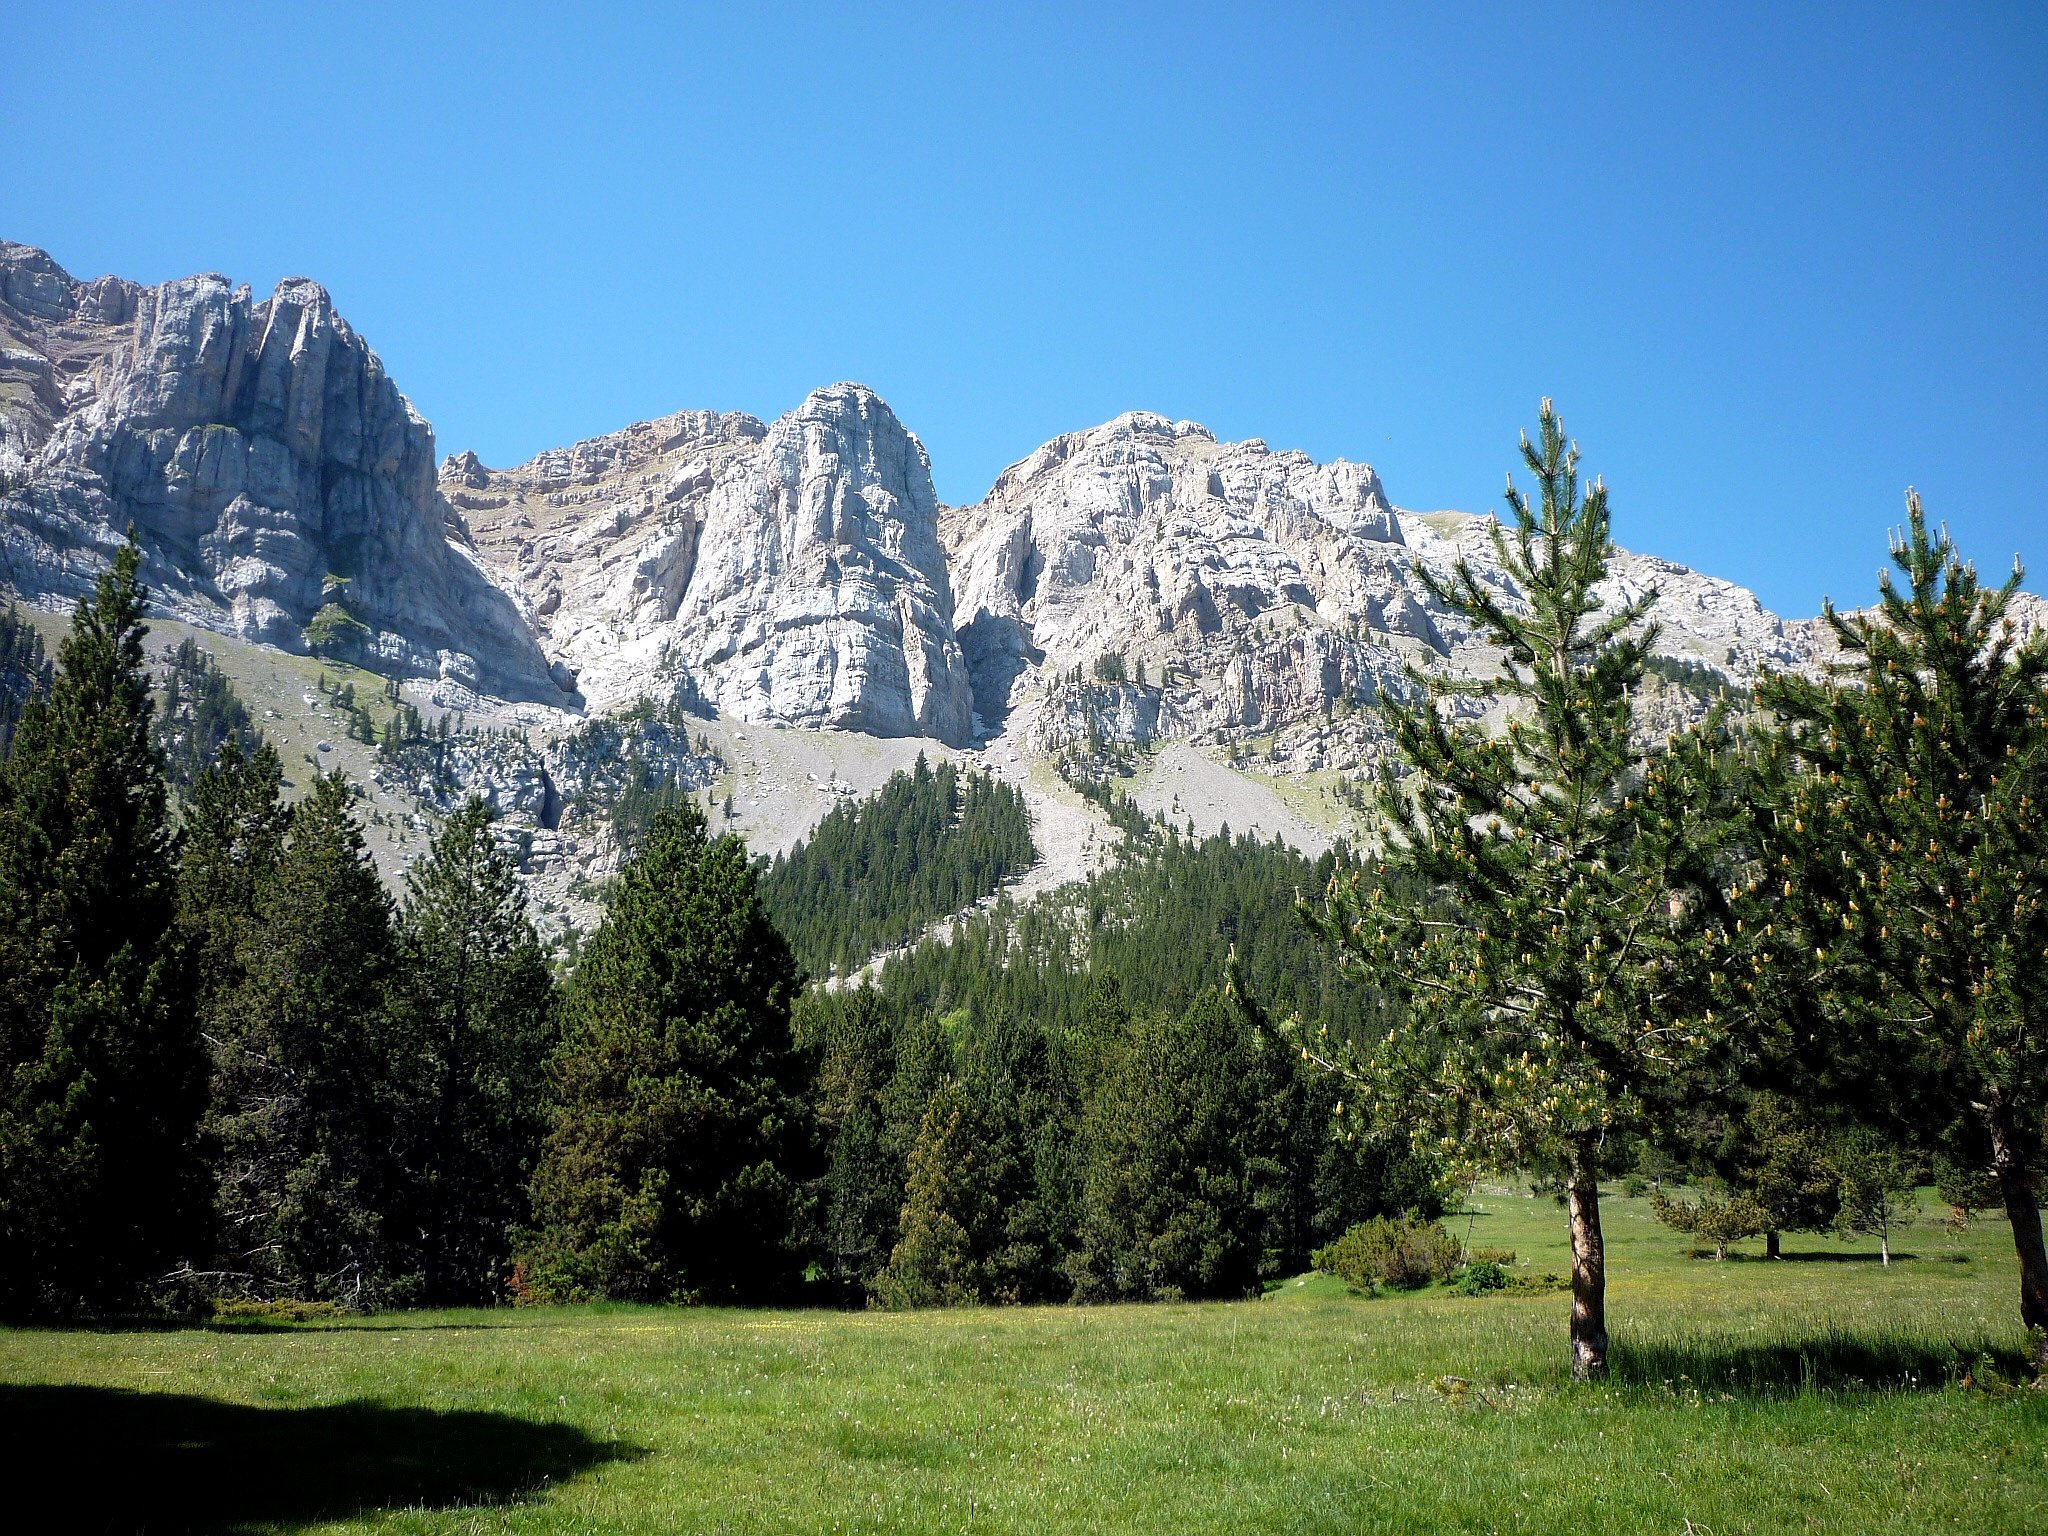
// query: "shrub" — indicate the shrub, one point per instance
point(1719, 1219)
point(285, 1309)
point(1400, 1252)
point(1501, 1256)
point(1477, 1279)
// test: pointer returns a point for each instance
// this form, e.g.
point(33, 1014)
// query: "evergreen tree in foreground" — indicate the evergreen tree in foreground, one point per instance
point(1173, 1162)
point(102, 1077)
point(477, 1009)
point(1556, 967)
point(230, 838)
point(675, 1161)
point(1911, 856)
point(863, 1182)
point(984, 1188)
point(309, 1071)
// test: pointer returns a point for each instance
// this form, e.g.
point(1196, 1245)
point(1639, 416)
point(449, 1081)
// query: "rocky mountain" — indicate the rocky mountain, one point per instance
point(280, 485)
point(1262, 594)
point(788, 574)
point(771, 615)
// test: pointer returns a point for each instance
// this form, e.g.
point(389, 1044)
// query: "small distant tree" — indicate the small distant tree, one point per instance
point(1718, 1216)
point(1910, 855)
point(1876, 1184)
point(1550, 896)
point(24, 672)
point(1779, 1158)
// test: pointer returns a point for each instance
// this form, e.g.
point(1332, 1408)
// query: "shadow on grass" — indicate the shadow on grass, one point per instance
point(1817, 1256)
point(1828, 1362)
point(105, 1459)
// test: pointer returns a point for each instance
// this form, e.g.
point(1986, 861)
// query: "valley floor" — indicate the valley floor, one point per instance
point(1820, 1393)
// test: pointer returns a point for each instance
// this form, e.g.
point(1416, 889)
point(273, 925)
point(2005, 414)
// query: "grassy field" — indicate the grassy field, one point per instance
point(1820, 1393)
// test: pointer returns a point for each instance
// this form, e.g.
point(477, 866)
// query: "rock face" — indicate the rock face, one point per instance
point(1251, 587)
point(789, 574)
point(1142, 579)
point(271, 469)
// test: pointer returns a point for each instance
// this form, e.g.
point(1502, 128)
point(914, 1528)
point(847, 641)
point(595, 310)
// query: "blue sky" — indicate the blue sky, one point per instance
point(1775, 264)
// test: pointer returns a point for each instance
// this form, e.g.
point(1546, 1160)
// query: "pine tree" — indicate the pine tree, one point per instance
point(1876, 1186)
point(200, 715)
point(308, 1070)
point(24, 672)
point(1721, 1216)
point(1910, 856)
point(950, 1208)
point(102, 1077)
point(1169, 1204)
point(674, 1166)
point(984, 1183)
point(477, 1013)
point(229, 838)
point(1566, 885)
point(862, 1188)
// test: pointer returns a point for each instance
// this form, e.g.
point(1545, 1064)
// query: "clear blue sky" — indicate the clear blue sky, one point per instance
point(1774, 263)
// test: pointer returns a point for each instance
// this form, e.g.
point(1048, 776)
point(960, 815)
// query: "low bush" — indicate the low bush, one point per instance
point(283, 1310)
point(1399, 1252)
point(1477, 1279)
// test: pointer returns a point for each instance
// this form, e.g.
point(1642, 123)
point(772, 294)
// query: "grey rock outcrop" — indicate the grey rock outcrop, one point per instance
point(1262, 593)
point(1254, 588)
point(789, 573)
point(269, 465)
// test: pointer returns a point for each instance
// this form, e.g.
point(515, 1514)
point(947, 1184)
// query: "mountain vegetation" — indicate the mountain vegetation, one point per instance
point(876, 873)
point(24, 671)
point(238, 1071)
point(198, 713)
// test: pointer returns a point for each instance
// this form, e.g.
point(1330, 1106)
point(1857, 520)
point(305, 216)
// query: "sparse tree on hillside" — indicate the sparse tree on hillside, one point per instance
point(1555, 965)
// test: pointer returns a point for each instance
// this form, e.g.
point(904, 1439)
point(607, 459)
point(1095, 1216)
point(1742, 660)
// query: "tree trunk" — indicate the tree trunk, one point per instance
point(1771, 1245)
point(1589, 1281)
point(2023, 1209)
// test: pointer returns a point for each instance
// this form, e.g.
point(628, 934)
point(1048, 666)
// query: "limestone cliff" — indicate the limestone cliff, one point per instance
point(279, 483)
point(789, 573)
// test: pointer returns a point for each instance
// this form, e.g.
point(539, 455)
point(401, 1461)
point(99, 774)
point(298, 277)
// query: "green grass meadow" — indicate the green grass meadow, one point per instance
point(1818, 1393)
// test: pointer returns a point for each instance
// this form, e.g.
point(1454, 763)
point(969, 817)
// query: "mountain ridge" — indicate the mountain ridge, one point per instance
point(1213, 620)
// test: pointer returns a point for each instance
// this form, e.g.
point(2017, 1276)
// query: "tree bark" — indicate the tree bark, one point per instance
point(1589, 1281)
point(1771, 1244)
point(2023, 1210)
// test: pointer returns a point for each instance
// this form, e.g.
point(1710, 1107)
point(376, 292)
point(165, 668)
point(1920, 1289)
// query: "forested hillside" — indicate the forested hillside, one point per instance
point(1165, 920)
point(877, 873)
